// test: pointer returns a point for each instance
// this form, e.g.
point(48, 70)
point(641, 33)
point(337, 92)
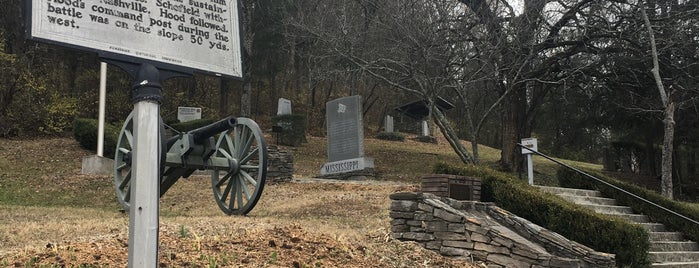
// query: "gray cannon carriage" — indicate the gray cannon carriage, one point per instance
point(237, 161)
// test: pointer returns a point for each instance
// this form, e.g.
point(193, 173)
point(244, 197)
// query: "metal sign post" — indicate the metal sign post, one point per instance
point(530, 145)
point(143, 215)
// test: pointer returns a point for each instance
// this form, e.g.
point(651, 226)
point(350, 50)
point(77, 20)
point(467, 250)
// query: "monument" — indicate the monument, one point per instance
point(345, 132)
point(283, 106)
point(388, 127)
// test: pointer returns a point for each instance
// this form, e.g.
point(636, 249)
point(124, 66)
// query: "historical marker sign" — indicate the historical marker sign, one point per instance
point(200, 35)
point(185, 114)
point(345, 136)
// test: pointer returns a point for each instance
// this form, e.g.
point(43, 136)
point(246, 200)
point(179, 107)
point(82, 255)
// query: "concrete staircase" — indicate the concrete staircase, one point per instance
point(667, 249)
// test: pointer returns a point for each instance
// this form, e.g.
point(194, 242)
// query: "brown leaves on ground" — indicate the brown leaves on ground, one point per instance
point(286, 246)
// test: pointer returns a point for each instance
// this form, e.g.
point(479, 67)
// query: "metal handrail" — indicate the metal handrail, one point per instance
point(609, 184)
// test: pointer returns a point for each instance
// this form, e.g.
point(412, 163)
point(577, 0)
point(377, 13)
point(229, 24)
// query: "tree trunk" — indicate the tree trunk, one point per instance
point(451, 137)
point(514, 109)
point(669, 112)
point(666, 188)
point(246, 100)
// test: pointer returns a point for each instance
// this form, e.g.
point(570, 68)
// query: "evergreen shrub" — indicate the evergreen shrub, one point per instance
point(85, 132)
point(426, 139)
point(569, 178)
point(391, 136)
point(629, 242)
point(293, 127)
point(191, 125)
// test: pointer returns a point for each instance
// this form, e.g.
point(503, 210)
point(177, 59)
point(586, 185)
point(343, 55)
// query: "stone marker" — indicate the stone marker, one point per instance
point(185, 114)
point(345, 137)
point(388, 127)
point(283, 106)
point(425, 129)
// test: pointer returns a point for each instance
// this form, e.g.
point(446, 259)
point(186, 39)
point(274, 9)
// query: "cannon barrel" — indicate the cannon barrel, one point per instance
point(201, 134)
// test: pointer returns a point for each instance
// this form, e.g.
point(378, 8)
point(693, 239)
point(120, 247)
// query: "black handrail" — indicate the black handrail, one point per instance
point(609, 184)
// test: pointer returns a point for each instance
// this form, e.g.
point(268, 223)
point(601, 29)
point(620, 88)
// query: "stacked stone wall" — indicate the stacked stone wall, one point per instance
point(280, 165)
point(485, 232)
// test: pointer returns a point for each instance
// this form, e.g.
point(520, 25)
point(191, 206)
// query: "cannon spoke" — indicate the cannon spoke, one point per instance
point(246, 150)
point(125, 183)
point(223, 180)
point(228, 189)
point(225, 154)
point(248, 178)
point(249, 156)
point(129, 137)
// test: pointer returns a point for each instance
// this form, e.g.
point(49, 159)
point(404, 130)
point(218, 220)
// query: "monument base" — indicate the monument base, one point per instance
point(353, 169)
point(97, 165)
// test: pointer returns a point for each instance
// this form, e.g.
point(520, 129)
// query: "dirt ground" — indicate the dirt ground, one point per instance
point(304, 223)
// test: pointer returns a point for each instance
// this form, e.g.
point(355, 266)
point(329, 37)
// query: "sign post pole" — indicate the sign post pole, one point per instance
point(103, 99)
point(145, 183)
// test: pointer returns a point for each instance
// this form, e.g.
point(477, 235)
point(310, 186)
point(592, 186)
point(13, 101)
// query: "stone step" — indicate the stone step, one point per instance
point(693, 264)
point(664, 246)
point(606, 209)
point(637, 218)
point(674, 256)
point(665, 236)
point(588, 200)
point(653, 226)
point(570, 191)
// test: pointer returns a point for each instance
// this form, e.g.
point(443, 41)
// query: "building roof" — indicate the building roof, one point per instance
point(418, 109)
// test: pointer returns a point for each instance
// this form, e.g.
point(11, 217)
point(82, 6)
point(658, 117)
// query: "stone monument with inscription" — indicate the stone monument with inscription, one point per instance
point(345, 130)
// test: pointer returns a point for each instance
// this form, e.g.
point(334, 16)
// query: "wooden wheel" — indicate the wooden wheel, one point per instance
point(238, 189)
point(122, 161)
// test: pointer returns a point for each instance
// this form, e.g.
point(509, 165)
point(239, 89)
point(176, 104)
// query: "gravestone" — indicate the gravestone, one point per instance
point(345, 137)
point(425, 129)
point(389, 124)
point(283, 106)
point(185, 114)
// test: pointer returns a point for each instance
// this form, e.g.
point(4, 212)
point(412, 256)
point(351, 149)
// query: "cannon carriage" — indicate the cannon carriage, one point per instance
point(237, 160)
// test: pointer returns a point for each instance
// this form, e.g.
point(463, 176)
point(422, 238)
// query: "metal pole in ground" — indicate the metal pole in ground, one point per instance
point(102, 104)
point(145, 168)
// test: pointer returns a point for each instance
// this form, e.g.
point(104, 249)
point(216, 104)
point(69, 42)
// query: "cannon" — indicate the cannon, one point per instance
point(237, 161)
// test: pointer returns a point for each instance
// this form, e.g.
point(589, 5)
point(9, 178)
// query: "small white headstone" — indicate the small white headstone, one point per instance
point(185, 114)
point(425, 129)
point(283, 106)
point(389, 124)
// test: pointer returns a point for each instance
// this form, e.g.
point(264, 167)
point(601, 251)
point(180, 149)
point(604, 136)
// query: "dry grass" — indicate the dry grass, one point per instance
point(44, 201)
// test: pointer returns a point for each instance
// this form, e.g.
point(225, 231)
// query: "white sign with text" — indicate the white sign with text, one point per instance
point(196, 34)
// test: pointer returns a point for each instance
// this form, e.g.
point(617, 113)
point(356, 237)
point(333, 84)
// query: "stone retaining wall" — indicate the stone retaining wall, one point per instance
point(280, 165)
point(486, 233)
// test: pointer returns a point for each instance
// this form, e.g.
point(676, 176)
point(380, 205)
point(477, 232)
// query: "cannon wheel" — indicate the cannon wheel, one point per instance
point(238, 189)
point(122, 161)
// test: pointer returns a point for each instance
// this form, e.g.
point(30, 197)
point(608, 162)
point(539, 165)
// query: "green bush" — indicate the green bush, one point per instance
point(569, 178)
point(85, 132)
point(426, 139)
point(603, 233)
point(293, 129)
point(390, 136)
point(191, 125)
